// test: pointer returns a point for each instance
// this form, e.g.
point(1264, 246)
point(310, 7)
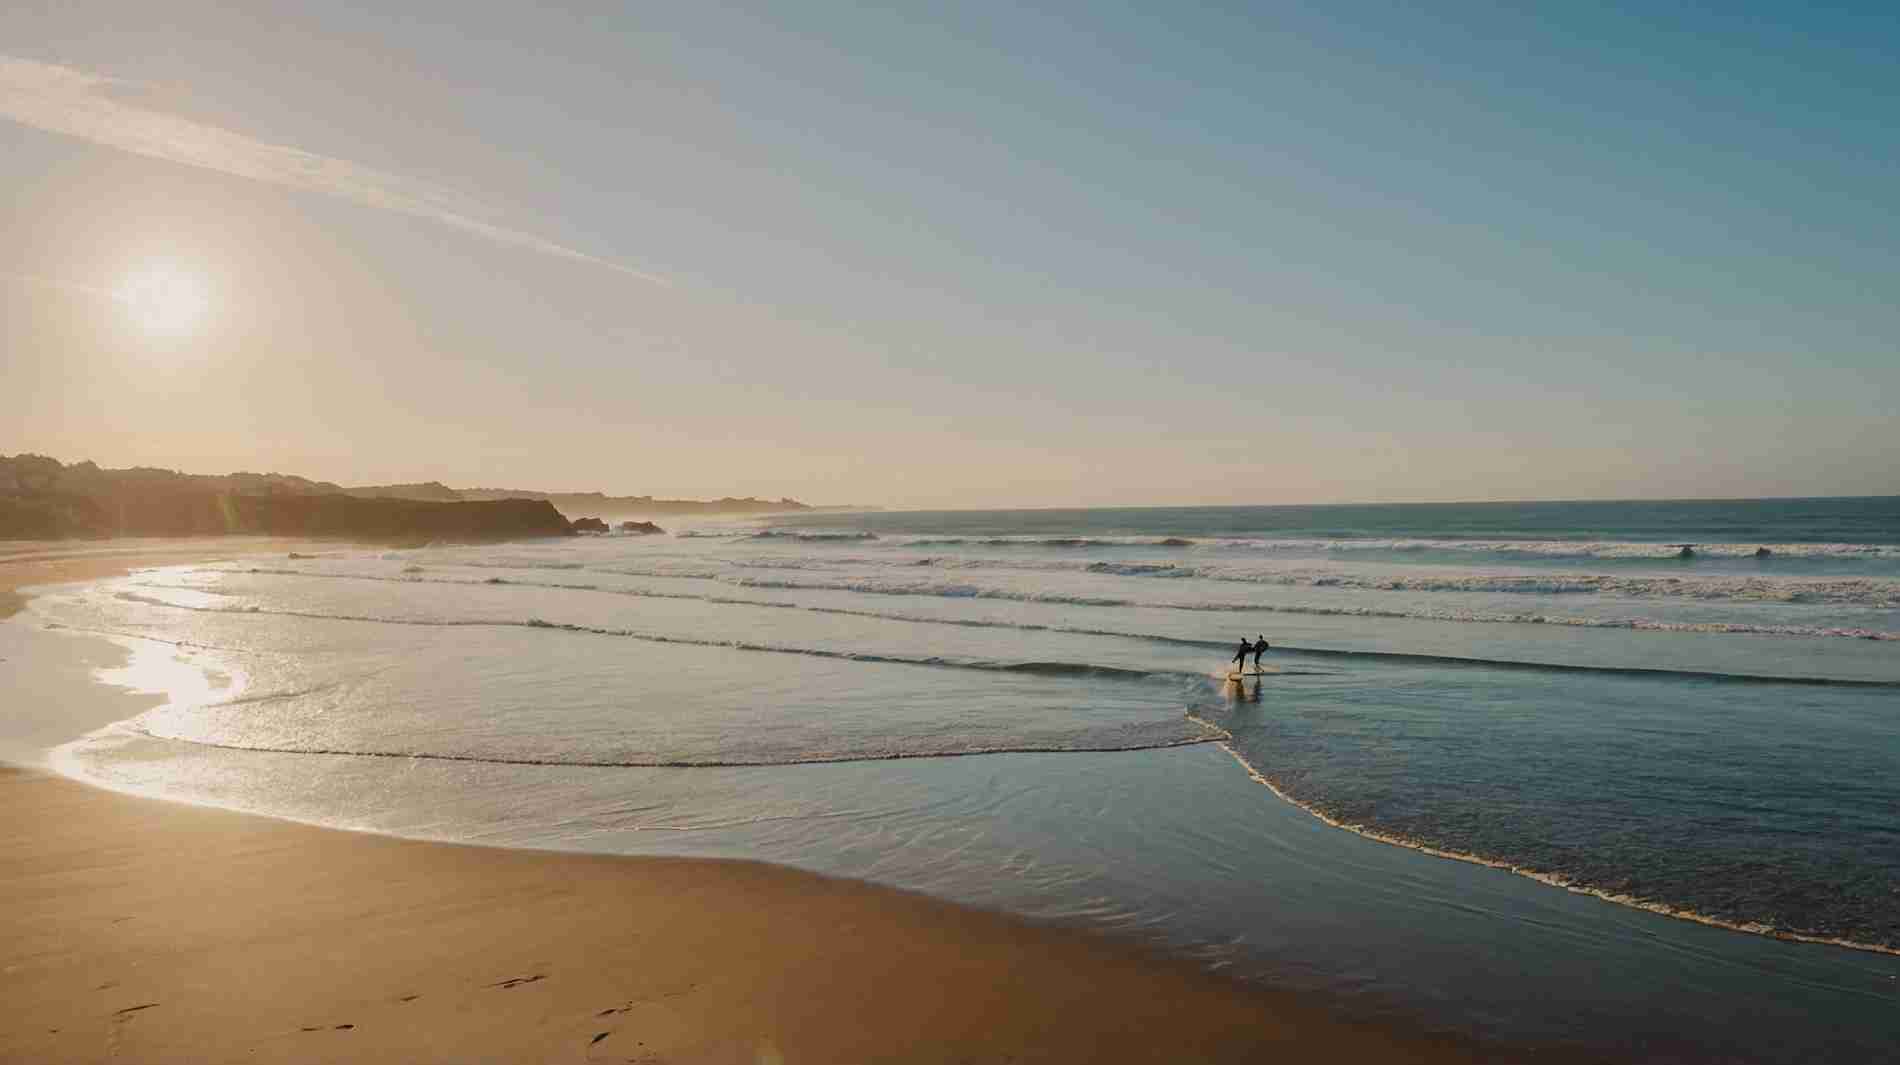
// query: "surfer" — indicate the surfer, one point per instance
point(1257, 650)
point(1240, 656)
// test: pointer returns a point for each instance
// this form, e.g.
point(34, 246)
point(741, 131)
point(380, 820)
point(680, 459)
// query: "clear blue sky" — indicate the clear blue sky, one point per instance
point(972, 255)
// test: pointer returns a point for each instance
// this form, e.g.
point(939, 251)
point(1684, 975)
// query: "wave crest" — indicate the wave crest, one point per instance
point(1184, 731)
point(1177, 641)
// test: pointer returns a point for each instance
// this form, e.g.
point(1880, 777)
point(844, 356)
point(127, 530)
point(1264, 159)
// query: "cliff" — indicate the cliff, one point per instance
point(42, 499)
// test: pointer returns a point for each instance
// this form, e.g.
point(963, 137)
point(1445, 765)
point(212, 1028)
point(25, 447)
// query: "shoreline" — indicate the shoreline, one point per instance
point(156, 931)
point(159, 931)
point(30, 563)
point(109, 562)
point(1550, 880)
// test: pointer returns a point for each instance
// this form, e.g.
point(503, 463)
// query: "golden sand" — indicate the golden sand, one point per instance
point(135, 930)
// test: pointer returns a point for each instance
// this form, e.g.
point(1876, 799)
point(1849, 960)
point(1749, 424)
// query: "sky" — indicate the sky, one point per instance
point(960, 255)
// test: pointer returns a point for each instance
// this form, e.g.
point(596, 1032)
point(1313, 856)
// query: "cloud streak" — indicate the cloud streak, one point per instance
point(80, 104)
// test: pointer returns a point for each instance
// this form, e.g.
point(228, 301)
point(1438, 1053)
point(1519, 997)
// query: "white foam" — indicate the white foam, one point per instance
point(926, 587)
point(1556, 880)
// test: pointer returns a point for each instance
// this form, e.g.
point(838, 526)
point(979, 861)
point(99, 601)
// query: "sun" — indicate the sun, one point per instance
point(165, 300)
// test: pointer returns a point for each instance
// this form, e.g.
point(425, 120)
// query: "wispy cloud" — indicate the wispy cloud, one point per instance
point(81, 104)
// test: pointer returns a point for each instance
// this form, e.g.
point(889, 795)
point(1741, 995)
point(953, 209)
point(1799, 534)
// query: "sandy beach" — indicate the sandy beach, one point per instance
point(832, 533)
point(139, 930)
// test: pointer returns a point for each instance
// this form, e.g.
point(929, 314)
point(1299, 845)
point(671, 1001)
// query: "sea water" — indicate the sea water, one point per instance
point(1531, 772)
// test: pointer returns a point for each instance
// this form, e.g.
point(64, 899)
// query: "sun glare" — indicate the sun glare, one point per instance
point(165, 301)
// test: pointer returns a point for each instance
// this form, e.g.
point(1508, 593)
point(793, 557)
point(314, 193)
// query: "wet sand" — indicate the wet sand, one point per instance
point(147, 931)
point(24, 563)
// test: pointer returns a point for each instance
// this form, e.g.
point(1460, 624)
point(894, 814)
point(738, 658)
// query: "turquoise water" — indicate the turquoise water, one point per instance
point(1030, 710)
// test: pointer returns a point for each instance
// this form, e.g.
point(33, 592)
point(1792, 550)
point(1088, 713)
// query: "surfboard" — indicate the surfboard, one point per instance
point(1253, 673)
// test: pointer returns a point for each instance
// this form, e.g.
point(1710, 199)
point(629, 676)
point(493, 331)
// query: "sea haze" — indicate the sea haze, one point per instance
point(1610, 775)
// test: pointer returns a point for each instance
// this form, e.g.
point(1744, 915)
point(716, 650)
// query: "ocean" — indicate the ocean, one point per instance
point(1609, 777)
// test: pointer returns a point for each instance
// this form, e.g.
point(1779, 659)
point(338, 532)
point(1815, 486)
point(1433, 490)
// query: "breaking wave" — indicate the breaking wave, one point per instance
point(1876, 593)
point(1608, 550)
point(1175, 641)
point(1871, 592)
point(972, 591)
point(987, 665)
point(1867, 592)
point(1185, 731)
point(1046, 541)
point(813, 537)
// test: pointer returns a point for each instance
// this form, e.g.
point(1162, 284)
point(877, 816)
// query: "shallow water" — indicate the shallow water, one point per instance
point(1030, 710)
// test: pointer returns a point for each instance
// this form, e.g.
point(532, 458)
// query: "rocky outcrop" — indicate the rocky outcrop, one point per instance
point(347, 516)
point(41, 498)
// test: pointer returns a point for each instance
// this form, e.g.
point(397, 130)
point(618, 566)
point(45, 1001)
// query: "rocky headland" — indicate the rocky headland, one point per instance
point(43, 499)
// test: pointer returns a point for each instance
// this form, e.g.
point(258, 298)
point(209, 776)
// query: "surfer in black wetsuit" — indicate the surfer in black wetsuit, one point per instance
point(1240, 656)
point(1257, 649)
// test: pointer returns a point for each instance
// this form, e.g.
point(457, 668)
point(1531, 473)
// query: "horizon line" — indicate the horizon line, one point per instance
point(900, 508)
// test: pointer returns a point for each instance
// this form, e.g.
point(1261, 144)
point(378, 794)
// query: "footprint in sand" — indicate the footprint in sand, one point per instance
point(517, 981)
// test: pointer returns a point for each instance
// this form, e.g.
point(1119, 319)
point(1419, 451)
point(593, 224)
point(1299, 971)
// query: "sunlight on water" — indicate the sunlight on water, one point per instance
point(185, 679)
point(1039, 719)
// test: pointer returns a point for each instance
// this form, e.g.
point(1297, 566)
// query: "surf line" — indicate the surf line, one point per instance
point(1549, 879)
point(1389, 656)
point(1071, 669)
point(1638, 625)
point(974, 592)
point(1210, 734)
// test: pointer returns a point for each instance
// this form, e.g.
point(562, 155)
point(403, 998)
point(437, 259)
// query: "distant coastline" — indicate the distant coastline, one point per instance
point(585, 502)
point(44, 499)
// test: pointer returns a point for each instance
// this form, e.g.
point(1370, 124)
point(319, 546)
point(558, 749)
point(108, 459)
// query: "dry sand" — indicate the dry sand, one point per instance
point(133, 930)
